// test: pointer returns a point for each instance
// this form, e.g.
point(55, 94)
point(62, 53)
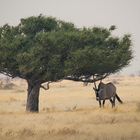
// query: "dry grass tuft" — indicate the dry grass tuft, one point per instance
point(26, 132)
point(49, 109)
point(138, 107)
point(63, 131)
point(12, 99)
point(71, 108)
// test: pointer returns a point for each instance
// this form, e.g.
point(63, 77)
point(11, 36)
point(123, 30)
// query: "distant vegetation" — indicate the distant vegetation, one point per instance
point(6, 83)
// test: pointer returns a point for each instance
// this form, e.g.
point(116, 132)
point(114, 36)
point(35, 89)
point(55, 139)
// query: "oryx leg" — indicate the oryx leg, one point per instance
point(111, 100)
point(100, 103)
point(113, 103)
point(103, 103)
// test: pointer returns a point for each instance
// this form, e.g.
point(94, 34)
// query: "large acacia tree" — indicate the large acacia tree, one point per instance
point(43, 49)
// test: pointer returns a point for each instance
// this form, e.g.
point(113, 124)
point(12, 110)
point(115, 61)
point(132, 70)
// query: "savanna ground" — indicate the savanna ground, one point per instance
point(69, 111)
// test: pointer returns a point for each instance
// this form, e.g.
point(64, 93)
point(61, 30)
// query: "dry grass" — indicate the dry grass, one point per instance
point(69, 111)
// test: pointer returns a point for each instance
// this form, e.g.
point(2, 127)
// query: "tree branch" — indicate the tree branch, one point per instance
point(7, 74)
point(48, 86)
point(89, 79)
point(12, 75)
point(44, 87)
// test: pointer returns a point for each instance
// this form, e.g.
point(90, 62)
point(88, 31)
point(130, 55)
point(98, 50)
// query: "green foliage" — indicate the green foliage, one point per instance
point(44, 49)
point(99, 53)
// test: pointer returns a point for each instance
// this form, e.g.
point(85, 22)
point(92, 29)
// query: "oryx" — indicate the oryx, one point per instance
point(106, 92)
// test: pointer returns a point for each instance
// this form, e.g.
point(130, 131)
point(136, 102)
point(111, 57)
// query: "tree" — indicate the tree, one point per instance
point(30, 51)
point(43, 49)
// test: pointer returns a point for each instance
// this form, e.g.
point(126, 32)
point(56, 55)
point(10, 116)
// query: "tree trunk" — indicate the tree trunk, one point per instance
point(33, 97)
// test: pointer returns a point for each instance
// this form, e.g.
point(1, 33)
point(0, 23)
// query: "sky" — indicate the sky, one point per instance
point(125, 14)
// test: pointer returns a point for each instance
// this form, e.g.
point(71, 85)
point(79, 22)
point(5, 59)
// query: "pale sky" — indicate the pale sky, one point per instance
point(125, 14)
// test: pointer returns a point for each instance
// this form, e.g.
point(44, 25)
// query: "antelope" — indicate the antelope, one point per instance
point(106, 92)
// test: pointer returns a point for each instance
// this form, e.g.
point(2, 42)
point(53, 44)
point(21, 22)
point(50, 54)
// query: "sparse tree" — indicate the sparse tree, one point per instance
point(43, 49)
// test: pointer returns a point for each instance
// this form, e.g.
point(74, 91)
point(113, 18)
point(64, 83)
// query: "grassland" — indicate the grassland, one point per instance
point(69, 111)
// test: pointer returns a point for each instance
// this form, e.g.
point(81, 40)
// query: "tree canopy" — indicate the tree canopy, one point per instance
point(29, 50)
point(96, 52)
point(43, 49)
